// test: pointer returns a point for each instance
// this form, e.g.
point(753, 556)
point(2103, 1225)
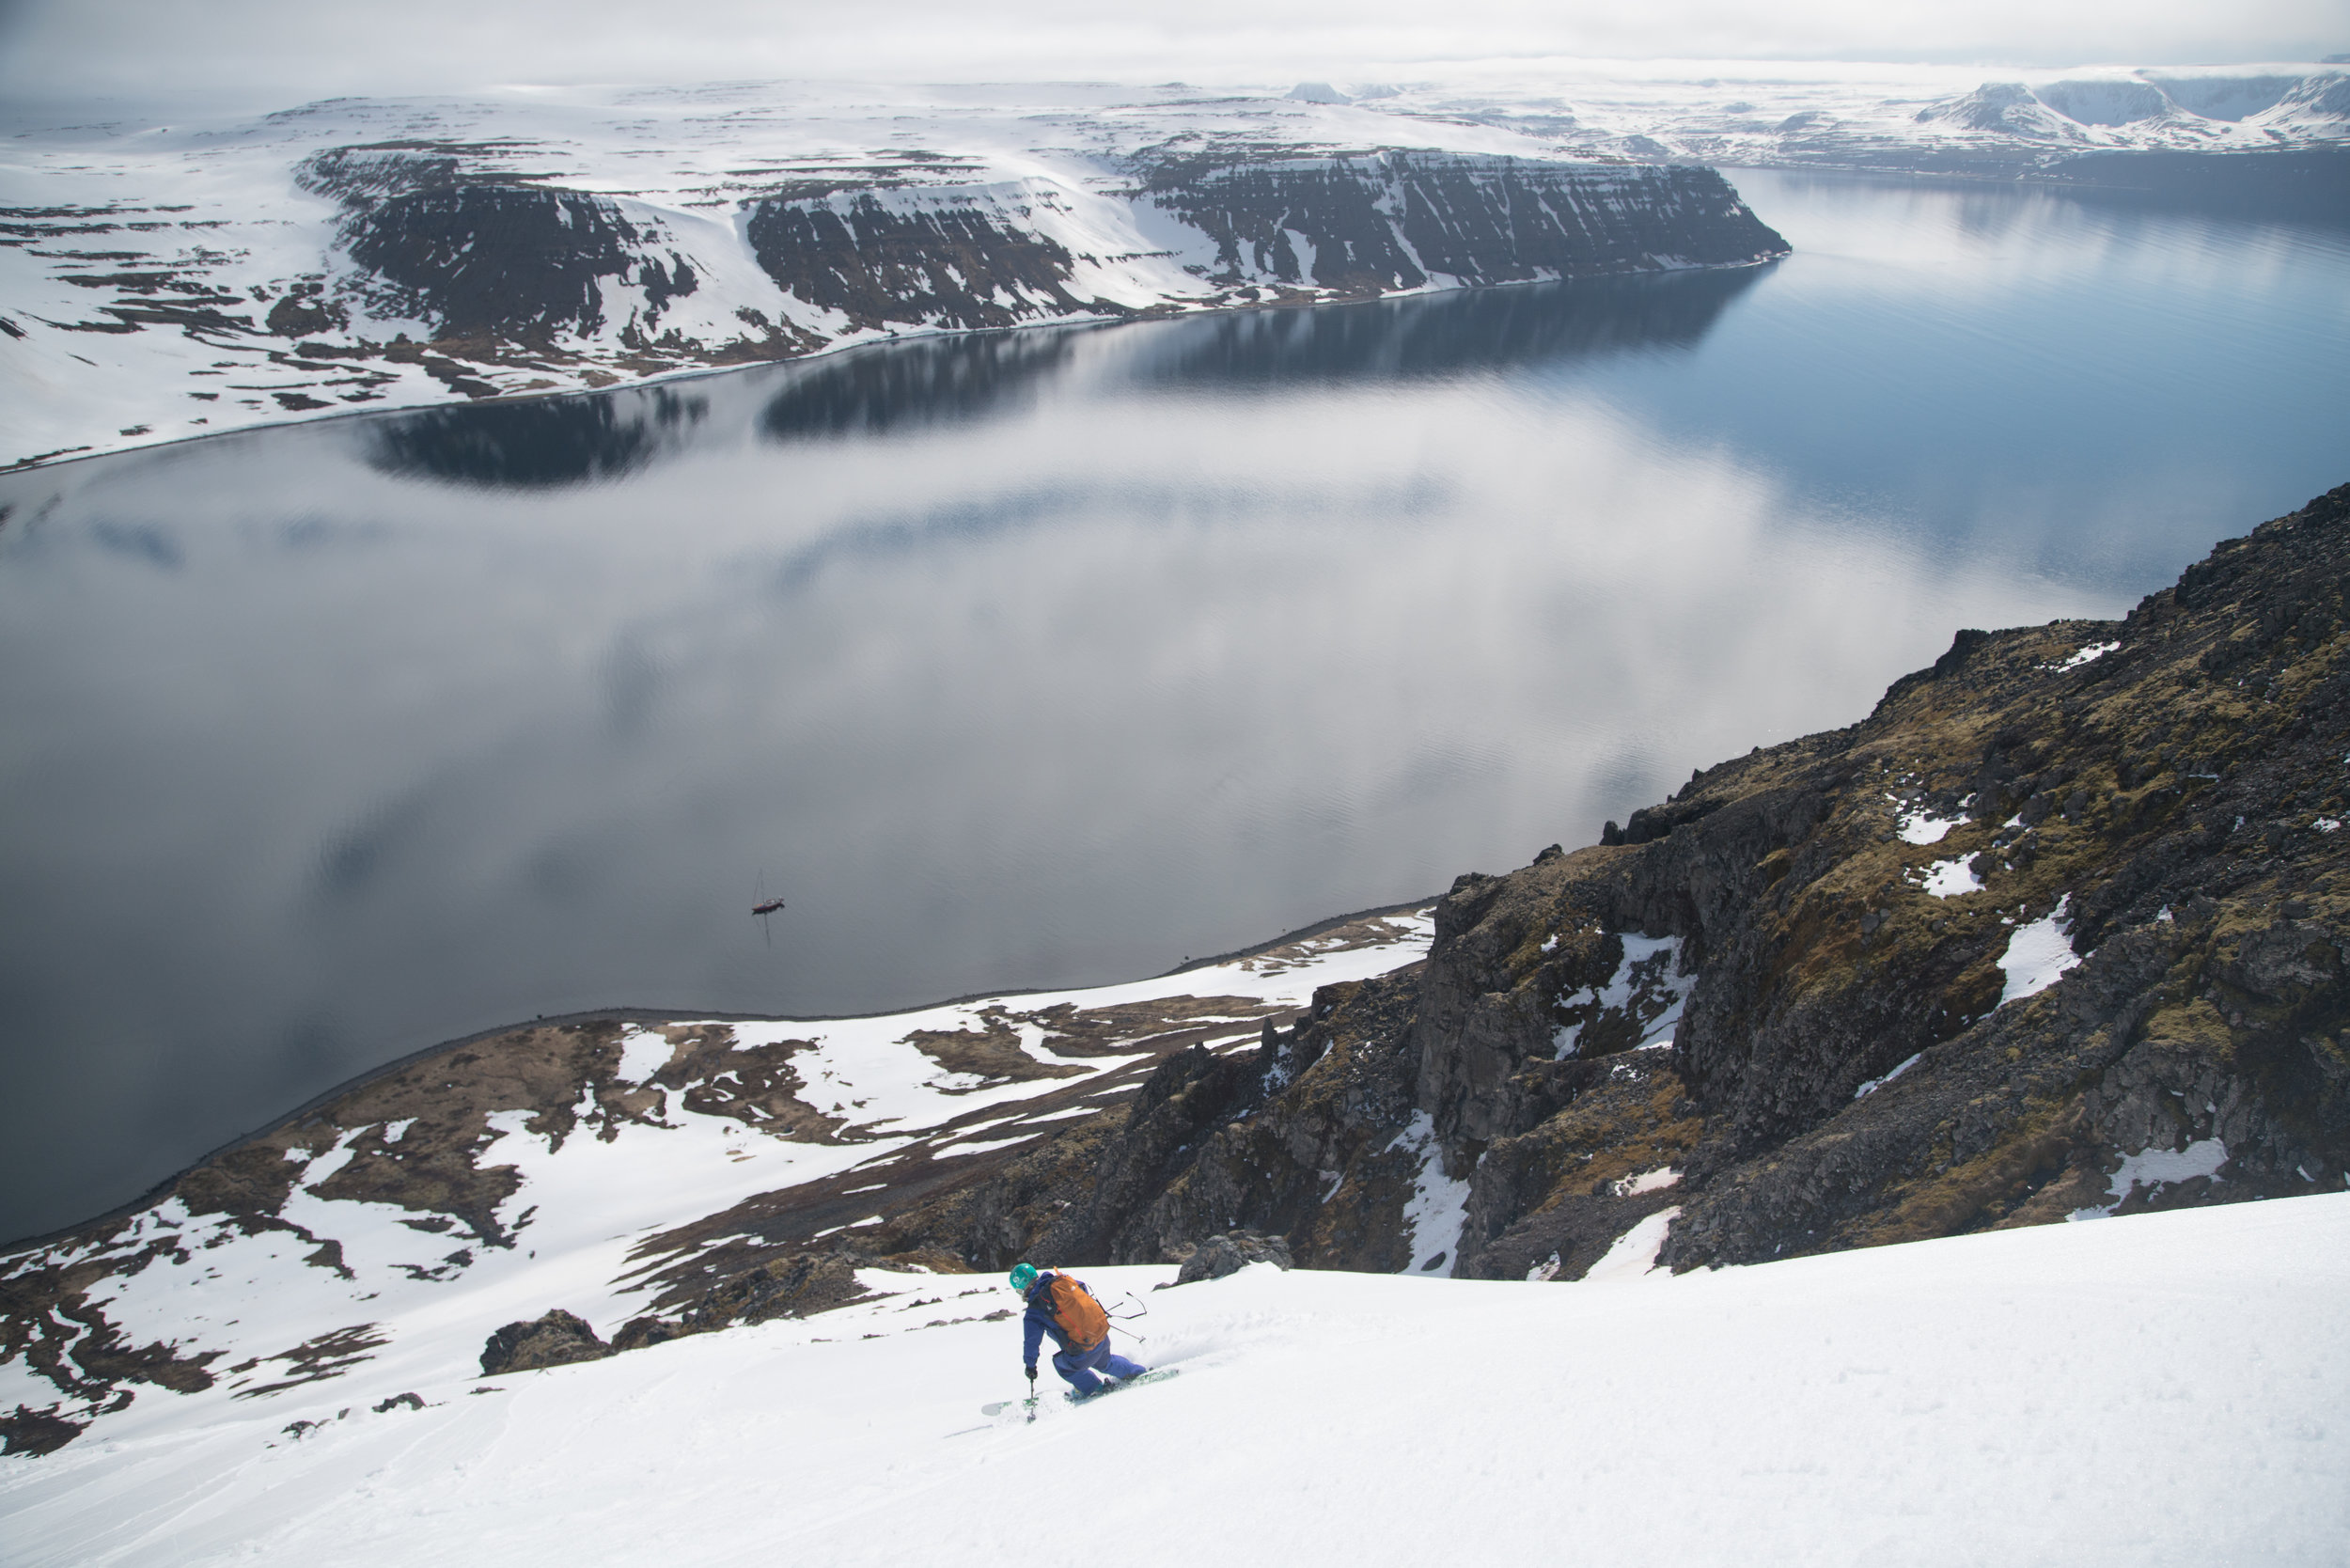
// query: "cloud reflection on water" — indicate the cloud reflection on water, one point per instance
point(1019, 659)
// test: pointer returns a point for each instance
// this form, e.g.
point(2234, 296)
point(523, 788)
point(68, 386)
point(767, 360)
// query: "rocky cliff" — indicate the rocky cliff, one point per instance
point(1399, 219)
point(2058, 930)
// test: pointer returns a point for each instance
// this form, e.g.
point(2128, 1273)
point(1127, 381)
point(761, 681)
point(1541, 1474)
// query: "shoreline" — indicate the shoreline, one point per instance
point(155, 1194)
point(911, 334)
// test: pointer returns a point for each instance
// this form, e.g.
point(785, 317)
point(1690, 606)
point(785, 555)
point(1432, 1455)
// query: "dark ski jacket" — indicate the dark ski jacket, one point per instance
point(1039, 1322)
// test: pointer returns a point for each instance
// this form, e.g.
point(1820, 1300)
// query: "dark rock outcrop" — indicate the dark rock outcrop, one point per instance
point(512, 262)
point(36, 1431)
point(940, 264)
point(1228, 1254)
point(1388, 220)
point(557, 1339)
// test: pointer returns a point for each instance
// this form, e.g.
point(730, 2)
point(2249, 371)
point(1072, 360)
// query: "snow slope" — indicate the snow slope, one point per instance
point(2162, 1390)
point(369, 1298)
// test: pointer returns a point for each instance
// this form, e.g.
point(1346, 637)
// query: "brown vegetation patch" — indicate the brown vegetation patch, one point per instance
point(314, 1360)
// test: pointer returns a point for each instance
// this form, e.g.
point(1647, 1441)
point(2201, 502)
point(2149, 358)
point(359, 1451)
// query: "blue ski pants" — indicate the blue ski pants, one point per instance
point(1080, 1366)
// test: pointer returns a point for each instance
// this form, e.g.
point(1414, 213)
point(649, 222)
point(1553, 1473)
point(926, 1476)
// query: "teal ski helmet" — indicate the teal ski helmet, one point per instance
point(1023, 1276)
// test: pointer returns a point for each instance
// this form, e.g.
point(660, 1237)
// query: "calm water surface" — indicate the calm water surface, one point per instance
point(1050, 657)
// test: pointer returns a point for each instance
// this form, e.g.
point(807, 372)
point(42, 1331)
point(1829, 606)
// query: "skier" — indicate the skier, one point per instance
point(1060, 1304)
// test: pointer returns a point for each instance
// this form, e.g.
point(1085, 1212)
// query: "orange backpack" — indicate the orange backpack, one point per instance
point(1080, 1316)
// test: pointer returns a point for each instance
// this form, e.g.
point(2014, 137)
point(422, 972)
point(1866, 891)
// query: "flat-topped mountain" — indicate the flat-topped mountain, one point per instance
point(360, 253)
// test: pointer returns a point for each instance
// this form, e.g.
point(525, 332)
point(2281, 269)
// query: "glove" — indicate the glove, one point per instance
point(1032, 1374)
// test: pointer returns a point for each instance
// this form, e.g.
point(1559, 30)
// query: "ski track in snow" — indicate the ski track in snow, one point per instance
point(2082, 1394)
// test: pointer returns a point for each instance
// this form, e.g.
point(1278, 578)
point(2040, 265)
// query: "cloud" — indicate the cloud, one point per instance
point(286, 51)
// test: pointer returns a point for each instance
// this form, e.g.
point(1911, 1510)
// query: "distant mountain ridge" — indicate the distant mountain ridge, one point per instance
point(358, 254)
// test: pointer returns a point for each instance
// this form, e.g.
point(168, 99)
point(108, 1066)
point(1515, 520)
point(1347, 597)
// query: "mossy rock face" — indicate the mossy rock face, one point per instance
point(1834, 917)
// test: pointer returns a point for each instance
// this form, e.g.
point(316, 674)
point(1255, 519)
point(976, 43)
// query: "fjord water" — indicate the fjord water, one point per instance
point(1054, 656)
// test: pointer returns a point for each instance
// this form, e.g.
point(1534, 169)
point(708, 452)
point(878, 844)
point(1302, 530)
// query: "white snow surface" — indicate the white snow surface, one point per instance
point(1633, 1255)
point(1648, 1181)
point(1874, 1084)
point(2038, 954)
point(1924, 827)
point(1950, 879)
point(2078, 1394)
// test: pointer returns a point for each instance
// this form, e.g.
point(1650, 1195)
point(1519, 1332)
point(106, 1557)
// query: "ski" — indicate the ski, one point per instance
point(1159, 1375)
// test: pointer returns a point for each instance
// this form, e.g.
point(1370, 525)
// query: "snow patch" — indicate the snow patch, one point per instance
point(1874, 1084)
point(1633, 1255)
point(642, 1055)
point(1439, 1205)
point(1924, 828)
point(2038, 954)
point(2094, 652)
point(1950, 879)
point(1648, 1181)
point(1646, 987)
point(2151, 1169)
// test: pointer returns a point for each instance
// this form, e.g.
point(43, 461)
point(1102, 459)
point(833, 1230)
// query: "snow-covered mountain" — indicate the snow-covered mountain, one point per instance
point(166, 280)
point(169, 281)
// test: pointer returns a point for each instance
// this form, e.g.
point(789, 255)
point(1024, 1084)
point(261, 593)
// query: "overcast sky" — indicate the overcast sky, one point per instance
point(273, 52)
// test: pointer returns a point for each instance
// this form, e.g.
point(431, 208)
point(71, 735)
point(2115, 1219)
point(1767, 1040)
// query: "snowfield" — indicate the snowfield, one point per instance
point(2165, 1388)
